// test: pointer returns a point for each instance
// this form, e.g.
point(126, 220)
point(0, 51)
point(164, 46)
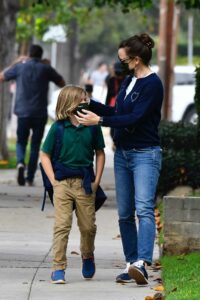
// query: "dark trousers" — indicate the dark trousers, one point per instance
point(24, 127)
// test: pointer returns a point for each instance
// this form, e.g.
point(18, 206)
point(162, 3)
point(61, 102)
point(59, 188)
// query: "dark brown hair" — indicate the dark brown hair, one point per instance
point(139, 45)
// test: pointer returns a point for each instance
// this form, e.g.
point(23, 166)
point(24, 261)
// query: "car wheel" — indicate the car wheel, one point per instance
point(191, 116)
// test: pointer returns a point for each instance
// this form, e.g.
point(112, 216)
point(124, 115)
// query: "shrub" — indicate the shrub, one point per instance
point(181, 156)
point(197, 95)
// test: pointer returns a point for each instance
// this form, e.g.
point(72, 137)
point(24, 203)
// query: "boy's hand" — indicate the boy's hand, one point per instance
point(94, 186)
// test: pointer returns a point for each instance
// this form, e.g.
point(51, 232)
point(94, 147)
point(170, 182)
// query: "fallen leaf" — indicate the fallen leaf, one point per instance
point(174, 289)
point(159, 288)
point(158, 296)
point(158, 279)
point(117, 266)
point(157, 213)
point(148, 298)
point(156, 266)
point(117, 237)
point(74, 252)
point(159, 227)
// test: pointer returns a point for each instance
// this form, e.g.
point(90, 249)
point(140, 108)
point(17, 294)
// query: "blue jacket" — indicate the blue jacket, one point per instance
point(136, 117)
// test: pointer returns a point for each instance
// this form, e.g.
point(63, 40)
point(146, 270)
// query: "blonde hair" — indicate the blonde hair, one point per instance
point(68, 99)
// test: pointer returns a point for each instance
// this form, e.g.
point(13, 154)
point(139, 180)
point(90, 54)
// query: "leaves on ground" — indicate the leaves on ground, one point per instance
point(158, 279)
point(75, 253)
point(157, 212)
point(159, 288)
point(157, 296)
point(117, 237)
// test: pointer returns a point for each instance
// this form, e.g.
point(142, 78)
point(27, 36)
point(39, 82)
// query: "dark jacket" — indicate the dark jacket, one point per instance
point(32, 82)
point(136, 117)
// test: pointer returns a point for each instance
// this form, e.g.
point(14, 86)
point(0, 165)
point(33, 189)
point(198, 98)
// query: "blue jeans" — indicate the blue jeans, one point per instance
point(136, 176)
point(24, 126)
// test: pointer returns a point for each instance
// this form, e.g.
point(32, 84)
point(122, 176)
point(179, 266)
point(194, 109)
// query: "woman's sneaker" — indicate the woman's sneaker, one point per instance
point(138, 272)
point(88, 267)
point(58, 276)
point(124, 276)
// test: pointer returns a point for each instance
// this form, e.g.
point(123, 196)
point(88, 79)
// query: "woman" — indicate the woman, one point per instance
point(137, 159)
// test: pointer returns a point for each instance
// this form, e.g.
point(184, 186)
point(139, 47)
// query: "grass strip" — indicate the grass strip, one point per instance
point(181, 276)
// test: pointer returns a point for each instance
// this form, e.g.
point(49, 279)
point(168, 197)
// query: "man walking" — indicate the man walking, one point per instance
point(32, 77)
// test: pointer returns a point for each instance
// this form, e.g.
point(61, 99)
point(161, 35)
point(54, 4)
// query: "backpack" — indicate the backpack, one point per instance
point(48, 188)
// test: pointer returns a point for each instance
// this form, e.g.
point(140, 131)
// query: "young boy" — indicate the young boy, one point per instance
point(71, 177)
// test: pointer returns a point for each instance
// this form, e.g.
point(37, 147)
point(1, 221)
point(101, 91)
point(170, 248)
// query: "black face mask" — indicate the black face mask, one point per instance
point(126, 69)
point(81, 106)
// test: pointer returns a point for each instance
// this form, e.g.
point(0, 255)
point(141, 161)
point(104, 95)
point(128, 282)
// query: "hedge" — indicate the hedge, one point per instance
point(181, 156)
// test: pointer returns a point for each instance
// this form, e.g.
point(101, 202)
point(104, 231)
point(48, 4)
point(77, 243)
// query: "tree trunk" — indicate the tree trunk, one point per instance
point(169, 17)
point(73, 52)
point(24, 47)
point(8, 9)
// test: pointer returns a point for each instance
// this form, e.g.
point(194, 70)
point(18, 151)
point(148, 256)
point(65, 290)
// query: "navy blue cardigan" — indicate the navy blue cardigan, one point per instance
point(136, 117)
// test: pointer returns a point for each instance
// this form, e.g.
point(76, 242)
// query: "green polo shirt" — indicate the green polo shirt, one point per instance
point(78, 146)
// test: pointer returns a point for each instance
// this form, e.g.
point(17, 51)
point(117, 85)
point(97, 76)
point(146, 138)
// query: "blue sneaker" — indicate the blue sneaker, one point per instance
point(138, 272)
point(124, 277)
point(88, 267)
point(58, 276)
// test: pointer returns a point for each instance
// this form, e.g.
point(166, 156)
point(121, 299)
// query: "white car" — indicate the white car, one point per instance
point(52, 104)
point(183, 108)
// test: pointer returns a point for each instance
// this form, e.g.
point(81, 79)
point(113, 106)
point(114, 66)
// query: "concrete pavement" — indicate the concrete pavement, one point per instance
point(25, 248)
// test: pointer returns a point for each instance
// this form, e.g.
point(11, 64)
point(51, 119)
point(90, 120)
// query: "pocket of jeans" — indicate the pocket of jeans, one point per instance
point(143, 150)
point(147, 150)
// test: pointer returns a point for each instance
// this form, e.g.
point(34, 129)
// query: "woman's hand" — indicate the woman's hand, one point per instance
point(88, 118)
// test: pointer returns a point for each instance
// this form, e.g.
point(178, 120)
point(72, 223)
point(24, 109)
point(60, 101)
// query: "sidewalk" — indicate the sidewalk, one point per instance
point(25, 247)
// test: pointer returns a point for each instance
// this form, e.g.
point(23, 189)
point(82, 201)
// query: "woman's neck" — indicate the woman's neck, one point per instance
point(142, 71)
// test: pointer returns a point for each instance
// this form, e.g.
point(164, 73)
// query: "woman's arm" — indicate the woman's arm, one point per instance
point(146, 104)
point(46, 163)
point(101, 109)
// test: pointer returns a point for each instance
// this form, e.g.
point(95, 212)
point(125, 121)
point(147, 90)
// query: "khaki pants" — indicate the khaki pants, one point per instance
point(66, 193)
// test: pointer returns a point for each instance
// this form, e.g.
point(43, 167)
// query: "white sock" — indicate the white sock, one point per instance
point(127, 267)
point(139, 263)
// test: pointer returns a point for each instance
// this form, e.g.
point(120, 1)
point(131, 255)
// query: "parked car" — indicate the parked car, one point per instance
point(183, 108)
point(52, 104)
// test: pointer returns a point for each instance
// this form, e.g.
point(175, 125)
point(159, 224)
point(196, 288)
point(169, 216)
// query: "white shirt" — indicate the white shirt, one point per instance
point(131, 85)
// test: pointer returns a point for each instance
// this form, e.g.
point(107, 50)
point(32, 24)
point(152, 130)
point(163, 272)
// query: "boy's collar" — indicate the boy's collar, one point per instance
point(67, 123)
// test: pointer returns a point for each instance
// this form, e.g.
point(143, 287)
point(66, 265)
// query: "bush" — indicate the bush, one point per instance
point(197, 95)
point(181, 156)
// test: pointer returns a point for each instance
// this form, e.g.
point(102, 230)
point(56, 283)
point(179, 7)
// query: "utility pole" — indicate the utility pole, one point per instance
point(169, 17)
point(190, 40)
